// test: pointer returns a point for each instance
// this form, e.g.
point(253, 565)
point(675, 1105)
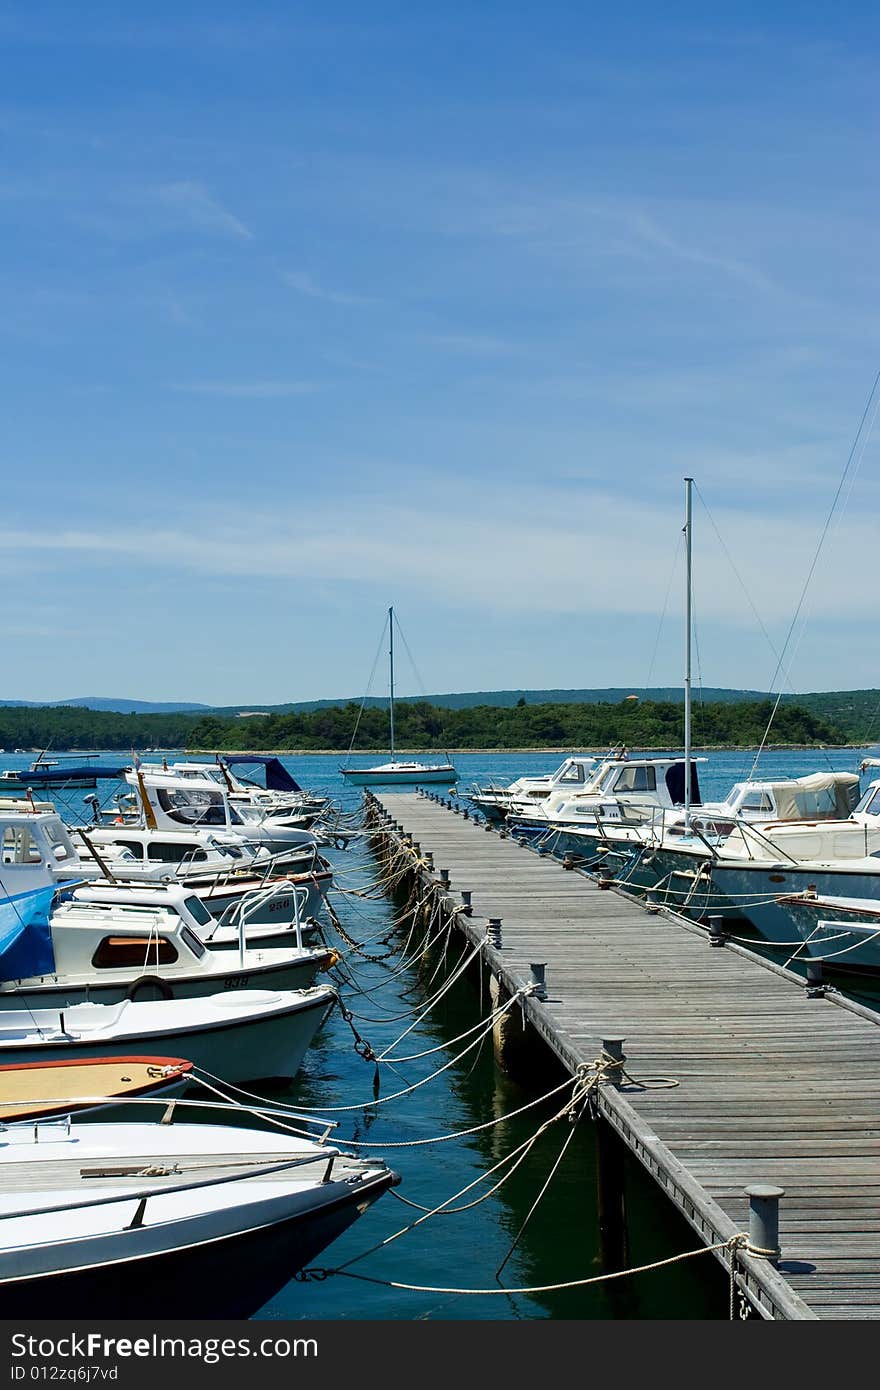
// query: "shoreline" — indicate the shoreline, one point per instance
point(566, 749)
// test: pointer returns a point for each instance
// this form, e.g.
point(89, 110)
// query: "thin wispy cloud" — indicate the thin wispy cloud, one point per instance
point(469, 563)
point(192, 202)
point(307, 285)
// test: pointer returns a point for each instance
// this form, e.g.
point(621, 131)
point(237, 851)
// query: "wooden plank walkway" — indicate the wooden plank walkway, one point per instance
point(774, 1087)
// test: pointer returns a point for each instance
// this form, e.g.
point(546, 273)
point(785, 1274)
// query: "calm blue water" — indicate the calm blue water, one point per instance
point(561, 1240)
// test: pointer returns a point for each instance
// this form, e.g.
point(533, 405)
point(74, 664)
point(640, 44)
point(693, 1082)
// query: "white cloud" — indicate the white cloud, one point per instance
point(556, 549)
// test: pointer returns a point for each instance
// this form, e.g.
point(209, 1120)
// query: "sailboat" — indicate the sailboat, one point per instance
point(395, 771)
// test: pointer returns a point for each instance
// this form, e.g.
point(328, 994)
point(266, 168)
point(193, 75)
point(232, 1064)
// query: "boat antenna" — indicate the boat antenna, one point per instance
point(391, 677)
point(688, 483)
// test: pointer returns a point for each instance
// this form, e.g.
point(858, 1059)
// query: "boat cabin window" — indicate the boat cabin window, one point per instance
point(19, 846)
point(195, 807)
point(574, 773)
point(190, 940)
point(58, 839)
point(115, 952)
point(636, 779)
point(758, 801)
point(133, 846)
point(870, 802)
point(171, 852)
point(197, 910)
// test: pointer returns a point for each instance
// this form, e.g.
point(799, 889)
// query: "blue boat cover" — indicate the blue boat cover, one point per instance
point(40, 776)
point(278, 779)
point(25, 936)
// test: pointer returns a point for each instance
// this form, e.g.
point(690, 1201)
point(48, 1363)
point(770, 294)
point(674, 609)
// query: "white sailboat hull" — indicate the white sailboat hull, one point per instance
point(403, 773)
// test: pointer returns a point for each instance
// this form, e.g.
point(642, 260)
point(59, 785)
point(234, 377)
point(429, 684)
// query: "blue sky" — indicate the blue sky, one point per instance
point(309, 309)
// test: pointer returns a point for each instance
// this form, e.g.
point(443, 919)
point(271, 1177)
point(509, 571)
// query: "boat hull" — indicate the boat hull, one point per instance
point(190, 1245)
point(49, 993)
point(376, 776)
point(243, 1048)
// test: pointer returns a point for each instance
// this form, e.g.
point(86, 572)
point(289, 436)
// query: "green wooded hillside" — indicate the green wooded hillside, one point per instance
point(424, 726)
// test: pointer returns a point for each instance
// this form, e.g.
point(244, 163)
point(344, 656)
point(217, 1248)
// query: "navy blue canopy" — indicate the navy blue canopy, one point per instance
point(41, 776)
point(278, 779)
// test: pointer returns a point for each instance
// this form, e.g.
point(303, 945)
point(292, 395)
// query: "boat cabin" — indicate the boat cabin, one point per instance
point(621, 788)
point(36, 848)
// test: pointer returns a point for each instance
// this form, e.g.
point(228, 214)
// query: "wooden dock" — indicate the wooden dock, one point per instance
point(774, 1087)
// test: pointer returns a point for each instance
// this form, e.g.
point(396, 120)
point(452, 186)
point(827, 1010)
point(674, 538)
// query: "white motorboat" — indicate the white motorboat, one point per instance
point(759, 864)
point(144, 1220)
point(282, 799)
point(395, 771)
point(243, 1035)
point(623, 789)
point(37, 849)
point(109, 950)
point(669, 850)
point(249, 918)
point(168, 802)
point(494, 801)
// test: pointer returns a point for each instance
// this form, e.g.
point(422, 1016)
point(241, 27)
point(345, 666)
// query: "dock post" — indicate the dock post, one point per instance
point(466, 902)
point(815, 980)
point(444, 878)
point(428, 857)
point(764, 1220)
point(537, 977)
point(613, 1054)
point(716, 930)
point(611, 1200)
point(493, 931)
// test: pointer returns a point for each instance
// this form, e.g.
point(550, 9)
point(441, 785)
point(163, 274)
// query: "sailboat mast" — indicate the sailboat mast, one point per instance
point(391, 686)
point(687, 656)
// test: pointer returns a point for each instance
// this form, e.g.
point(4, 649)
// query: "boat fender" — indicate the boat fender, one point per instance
point(154, 982)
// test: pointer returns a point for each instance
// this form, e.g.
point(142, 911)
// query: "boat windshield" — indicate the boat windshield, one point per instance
point(870, 802)
point(193, 806)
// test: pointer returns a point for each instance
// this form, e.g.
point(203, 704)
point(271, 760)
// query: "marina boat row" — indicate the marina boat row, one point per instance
point(165, 944)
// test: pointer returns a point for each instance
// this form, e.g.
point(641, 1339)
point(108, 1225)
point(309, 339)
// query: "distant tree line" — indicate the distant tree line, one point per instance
point(70, 726)
point(420, 725)
point(423, 726)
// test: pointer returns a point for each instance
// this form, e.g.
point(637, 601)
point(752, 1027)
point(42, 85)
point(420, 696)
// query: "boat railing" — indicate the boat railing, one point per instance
point(240, 913)
point(743, 825)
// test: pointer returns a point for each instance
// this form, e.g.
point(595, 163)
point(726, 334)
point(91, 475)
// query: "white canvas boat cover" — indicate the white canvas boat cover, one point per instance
point(820, 796)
